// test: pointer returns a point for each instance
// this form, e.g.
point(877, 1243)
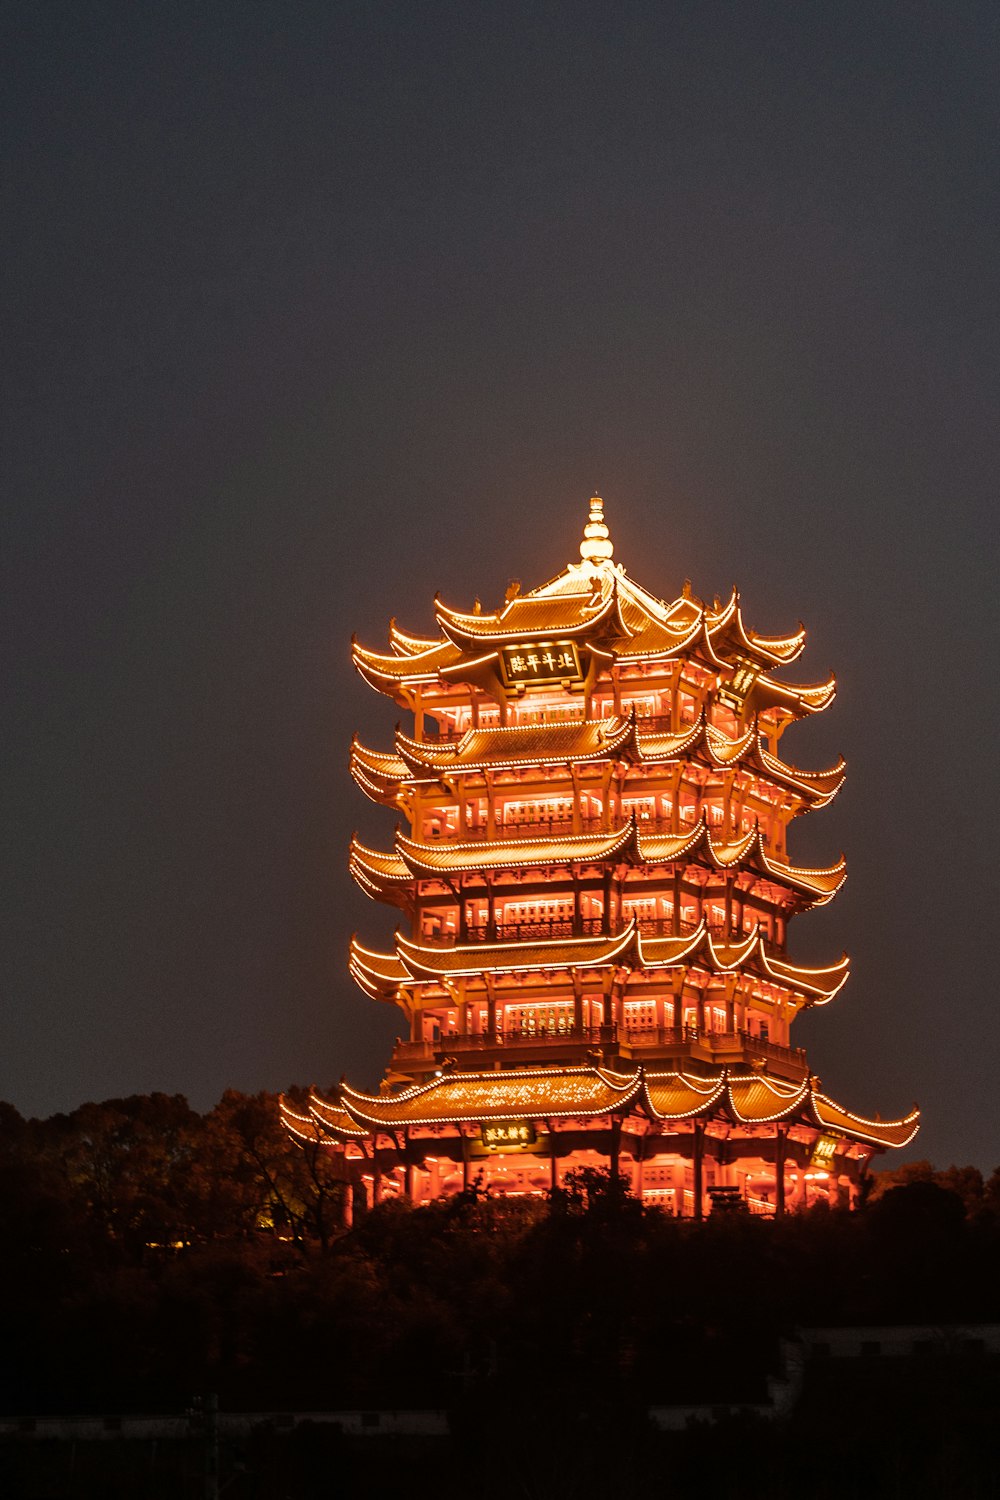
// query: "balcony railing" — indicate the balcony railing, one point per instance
point(529, 932)
point(651, 724)
point(719, 1045)
point(542, 828)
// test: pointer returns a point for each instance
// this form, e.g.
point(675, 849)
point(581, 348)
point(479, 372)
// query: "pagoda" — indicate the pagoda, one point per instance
point(594, 890)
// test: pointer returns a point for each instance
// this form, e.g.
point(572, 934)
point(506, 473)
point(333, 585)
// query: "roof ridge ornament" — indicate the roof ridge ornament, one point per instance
point(597, 546)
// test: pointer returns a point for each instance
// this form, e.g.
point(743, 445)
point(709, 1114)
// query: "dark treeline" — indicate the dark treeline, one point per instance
point(150, 1253)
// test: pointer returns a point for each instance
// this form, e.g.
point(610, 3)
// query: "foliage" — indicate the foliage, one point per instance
point(157, 1252)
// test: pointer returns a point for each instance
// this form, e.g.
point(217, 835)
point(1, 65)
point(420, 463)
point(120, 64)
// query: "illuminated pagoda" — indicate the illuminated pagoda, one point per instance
point(595, 890)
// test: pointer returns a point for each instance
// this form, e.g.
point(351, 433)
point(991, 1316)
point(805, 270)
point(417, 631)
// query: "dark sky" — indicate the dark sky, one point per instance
point(313, 309)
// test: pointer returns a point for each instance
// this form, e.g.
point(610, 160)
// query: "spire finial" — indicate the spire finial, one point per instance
point(596, 546)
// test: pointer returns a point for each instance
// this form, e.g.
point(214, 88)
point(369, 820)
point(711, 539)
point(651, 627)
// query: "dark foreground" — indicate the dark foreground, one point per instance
point(149, 1257)
point(893, 1431)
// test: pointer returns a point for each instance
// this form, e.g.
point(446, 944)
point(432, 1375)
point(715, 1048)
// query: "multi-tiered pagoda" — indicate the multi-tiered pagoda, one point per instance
point(595, 891)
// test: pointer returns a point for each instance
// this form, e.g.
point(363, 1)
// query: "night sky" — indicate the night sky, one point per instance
point(313, 309)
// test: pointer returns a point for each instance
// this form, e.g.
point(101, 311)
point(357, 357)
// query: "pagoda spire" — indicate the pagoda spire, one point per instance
point(597, 546)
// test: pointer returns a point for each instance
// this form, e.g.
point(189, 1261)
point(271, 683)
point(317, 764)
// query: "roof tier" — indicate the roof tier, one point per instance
point(388, 874)
point(594, 606)
point(587, 741)
point(585, 1093)
point(414, 964)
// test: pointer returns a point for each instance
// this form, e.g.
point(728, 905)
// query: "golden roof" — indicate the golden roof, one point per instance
point(383, 975)
point(302, 1127)
point(378, 763)
point(674, 1096)
point(524, 1093)
point(391, 872)
point(589, 1092)
point(528, 616)
point(322, 1119)
point(519, 745)
point(511, 958)
point(595, 601)
point(833, 1116)
point(388, 673)
point(380, 975)
point(523, 746)
point(726, 629)
point(512, 854)
point(756, 1099)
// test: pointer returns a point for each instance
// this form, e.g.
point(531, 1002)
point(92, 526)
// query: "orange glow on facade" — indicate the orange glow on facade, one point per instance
point(595, 891)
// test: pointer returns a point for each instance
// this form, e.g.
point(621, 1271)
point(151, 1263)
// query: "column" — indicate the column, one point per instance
point(699, 1170)
point(408, 1169)
point(491, 807)
point(614, 1147)
point(491, 1008)
point(679, 979)
point(637, 1165)
point(780, 1143)
point(677, 1177)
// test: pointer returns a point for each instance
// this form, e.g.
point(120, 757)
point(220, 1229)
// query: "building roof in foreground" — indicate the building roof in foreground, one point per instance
point(592, 1092)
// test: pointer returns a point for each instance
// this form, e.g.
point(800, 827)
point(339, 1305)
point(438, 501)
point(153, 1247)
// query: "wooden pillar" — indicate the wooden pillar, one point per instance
point(491, 807)
point(699, 1169)
point(780, 1143)
point(606, 775)
point(730, 993)
point(491, 1007)
point(347, 1206)
point(800, 1198)
point(466, 1169)
point(577, 814)
point(679, 979)
point(491, 912)
point(553, 1158)
point(614, 1148)
point(407, 1167)
point(577, 1002)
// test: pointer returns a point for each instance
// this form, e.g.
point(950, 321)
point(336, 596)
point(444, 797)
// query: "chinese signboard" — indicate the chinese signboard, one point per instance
point(823, 1153)
point(501, 1135)
point(737, 690)
point(552, 661)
